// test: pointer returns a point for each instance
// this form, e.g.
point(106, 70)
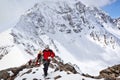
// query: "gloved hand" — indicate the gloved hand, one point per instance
point(49, 58)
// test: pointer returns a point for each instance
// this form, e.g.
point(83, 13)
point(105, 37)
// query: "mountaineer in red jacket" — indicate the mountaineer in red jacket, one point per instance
point(48, 54)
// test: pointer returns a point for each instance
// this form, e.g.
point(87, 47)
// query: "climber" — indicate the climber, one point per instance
point(48, 54)
point(39, 58)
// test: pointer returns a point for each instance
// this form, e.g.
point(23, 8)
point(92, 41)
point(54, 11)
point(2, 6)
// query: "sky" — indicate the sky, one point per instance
point(113, 9)
point(10, 10)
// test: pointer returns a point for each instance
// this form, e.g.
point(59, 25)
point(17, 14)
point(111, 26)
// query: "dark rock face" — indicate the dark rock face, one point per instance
point(111, 73)
point(57, 77)
point(4, 50)
point(63, 67)
point(6, 75)
point(89, 76)
point(70, 68)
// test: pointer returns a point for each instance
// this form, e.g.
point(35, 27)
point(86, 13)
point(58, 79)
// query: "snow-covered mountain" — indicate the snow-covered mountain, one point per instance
point(117, 22)
point(10, 53)
point(82, 35)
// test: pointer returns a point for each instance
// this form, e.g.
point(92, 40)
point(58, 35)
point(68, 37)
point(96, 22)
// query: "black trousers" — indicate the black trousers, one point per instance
point(46, 65)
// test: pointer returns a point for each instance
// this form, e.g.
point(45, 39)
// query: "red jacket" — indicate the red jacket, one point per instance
point(48, 53)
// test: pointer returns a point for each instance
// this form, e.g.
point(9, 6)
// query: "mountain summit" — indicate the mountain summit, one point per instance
point(82, 35)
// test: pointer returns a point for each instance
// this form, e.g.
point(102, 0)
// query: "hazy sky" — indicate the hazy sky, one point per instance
point(10, 10)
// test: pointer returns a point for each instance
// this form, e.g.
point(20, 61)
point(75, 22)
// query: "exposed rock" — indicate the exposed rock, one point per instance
point(109, 79)
point(117, 78)
point(63, 67)
point(4, 74)
point(30, 70)
point(35, 79)
point(94, 77)
point(111, 72)
point(24, 79)
point(68, 67)
point(57, 77)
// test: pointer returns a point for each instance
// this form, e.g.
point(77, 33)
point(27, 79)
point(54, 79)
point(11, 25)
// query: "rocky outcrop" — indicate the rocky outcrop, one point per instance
point(57, 77)
point(111, 73)
point(4, 50)
point(117, 22)
point(10, 74)
point(57, 64)
point(90, 76)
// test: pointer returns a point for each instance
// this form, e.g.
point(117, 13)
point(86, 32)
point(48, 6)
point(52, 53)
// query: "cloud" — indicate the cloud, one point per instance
point(10, 11)
point(98, 3)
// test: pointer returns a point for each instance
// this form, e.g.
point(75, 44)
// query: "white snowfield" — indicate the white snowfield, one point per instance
point(37, 73)
point(81, 35)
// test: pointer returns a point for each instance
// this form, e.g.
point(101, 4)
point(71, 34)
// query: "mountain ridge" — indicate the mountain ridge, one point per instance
point(77, 33)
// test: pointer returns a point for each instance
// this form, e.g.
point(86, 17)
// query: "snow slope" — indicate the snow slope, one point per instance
point(84, 36)
point(15, 58)
point(11, 54)
point(37, 73)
